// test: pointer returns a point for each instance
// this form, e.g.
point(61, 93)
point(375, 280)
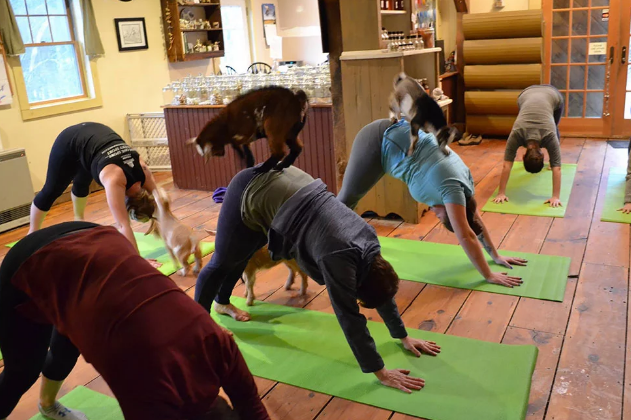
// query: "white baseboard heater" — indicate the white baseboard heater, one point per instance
point(16, 189)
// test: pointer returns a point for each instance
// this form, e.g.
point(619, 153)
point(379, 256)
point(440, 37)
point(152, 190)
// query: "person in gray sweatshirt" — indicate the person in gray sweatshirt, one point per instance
point(299, 219)
point(536, 126)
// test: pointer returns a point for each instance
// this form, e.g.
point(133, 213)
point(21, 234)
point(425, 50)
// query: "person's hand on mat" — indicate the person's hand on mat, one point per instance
point(416, 346)
point(154, 263)
point(626, 209)
point(500, 198)
point(503, 279)
point(400, 379)
point(554, 202)
point(509, 262)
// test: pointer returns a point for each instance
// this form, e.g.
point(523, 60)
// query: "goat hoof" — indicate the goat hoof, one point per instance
point(197, 269)
point(250, 301)
point(182, 272)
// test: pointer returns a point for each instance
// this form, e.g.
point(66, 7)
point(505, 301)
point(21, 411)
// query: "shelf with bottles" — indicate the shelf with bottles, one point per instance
point(392, 7)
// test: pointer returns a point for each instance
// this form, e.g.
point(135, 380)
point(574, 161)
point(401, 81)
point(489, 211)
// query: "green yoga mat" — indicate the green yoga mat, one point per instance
point(544, 277)
point(470, 379)
point(153, 248)
point(614, 199)
point(527, 192)
point(94, 405)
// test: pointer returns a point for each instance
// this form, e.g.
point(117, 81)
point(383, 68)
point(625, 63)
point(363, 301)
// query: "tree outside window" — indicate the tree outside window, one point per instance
point(52, 66)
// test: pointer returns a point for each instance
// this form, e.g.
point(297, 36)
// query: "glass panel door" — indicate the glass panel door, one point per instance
point(578, 37)
point(622, 91)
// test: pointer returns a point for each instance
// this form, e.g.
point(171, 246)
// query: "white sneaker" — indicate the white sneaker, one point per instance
point(59, 412)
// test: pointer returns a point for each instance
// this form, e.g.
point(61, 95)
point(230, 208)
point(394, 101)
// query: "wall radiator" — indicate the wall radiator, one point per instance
point(16, 189)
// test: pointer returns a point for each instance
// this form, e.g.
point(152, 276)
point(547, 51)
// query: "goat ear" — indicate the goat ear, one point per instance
point(151, 227)
point(192, 140)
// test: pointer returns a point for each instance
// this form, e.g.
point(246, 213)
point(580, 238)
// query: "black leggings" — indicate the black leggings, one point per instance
point(64, 167)
point(235, 244)
point(25, 344)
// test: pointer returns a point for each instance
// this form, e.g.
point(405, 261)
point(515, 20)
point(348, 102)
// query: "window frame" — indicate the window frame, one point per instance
point(91, 97)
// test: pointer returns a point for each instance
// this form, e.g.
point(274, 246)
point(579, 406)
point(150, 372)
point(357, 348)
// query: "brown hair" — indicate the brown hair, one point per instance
point(380, 285)
point(472, 218)
point(533, 161)
point(141, 206)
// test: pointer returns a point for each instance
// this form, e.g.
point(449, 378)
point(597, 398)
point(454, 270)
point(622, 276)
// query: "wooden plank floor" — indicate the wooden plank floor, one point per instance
point(583, 345)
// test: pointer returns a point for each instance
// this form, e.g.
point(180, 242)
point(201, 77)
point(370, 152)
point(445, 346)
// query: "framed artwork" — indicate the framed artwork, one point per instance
point(268, 10)
point(131, 34)
point(269, 13)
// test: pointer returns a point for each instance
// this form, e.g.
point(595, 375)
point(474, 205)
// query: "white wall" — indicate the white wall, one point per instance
point(300, 43)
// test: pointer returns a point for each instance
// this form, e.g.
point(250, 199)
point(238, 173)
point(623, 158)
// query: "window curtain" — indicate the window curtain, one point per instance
point(9, 30)
point(91, 37)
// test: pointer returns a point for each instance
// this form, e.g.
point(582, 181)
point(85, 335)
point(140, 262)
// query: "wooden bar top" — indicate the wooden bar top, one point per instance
point(222, 106)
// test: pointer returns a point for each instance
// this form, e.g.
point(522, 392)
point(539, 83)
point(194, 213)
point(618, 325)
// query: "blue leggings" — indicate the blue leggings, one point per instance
point(235, 244)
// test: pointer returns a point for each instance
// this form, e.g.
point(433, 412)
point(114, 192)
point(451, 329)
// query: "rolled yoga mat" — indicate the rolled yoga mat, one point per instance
point(527, 192)
point(469, 379)
point(94, 405)
point(153, 248)
point(614, 198)
point(544, 277)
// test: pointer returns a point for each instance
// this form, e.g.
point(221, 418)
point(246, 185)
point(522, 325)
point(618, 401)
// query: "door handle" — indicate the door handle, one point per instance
point(623, 59)
point(611, 53)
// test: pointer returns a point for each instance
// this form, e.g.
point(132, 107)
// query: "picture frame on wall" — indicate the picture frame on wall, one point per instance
point(131, 34)
point(268, 11)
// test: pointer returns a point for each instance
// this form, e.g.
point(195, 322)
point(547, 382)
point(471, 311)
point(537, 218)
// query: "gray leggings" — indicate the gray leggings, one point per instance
point(364, 168)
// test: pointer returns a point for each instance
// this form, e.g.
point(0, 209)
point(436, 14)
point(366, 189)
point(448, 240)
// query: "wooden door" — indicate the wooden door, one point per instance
point(581, 40)
point(621, 94)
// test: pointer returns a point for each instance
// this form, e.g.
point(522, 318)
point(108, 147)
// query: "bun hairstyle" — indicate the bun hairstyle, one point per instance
point(141, 206)
point(474, 223)
point(380, 285)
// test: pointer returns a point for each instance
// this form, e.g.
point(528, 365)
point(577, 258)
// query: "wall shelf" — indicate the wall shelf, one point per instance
point(202, 55)
point(179, 40)
point(199, 5)
point(202, 30)
point(393, 12)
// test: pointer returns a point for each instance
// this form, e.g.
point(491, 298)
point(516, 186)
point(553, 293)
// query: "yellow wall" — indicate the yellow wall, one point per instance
point(131, 82)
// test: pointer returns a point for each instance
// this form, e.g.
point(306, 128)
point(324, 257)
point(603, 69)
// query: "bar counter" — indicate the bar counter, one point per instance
point(191, 173)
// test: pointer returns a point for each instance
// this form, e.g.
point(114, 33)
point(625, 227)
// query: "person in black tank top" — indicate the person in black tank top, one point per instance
point(93, 151)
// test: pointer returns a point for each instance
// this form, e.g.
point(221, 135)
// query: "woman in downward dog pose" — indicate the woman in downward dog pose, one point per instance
point(88, 151)
point(333, 245)
point(78, 287)
point(442, 182)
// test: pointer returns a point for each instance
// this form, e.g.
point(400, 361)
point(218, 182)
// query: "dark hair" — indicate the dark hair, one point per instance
point(380, 285)
point(141, 206)
point(533, 161)
point(474, 223)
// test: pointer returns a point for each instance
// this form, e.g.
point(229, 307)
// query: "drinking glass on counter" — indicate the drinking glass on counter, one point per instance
point(223, 89)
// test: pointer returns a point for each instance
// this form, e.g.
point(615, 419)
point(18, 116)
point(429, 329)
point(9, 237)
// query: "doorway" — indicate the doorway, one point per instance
point(236, 35)
point(586, 58)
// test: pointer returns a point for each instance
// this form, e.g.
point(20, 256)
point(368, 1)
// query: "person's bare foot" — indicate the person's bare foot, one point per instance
point(236, 313)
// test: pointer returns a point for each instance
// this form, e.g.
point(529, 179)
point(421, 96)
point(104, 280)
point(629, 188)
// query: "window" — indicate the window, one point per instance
point(235, 35)
point(52, 67)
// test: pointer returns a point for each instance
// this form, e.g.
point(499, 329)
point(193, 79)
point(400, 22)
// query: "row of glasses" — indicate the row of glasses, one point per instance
point(223, 89)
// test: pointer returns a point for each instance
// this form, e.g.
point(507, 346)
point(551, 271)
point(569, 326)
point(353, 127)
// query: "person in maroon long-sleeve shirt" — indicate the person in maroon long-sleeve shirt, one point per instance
point(80, 288)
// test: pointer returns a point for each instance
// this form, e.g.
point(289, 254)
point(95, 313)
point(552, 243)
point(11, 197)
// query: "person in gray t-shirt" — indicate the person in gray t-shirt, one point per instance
point(536, 126)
